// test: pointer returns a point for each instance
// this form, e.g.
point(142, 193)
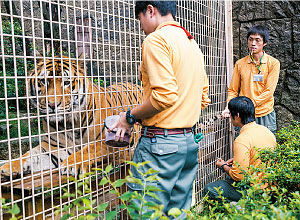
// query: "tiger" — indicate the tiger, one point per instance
point(72, 109)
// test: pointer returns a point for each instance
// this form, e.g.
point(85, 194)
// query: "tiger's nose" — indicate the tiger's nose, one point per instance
point(51, 105)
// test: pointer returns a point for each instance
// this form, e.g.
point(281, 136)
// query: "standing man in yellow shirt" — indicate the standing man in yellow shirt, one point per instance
point(252, 137)
point(175, 89)
point(255, 76)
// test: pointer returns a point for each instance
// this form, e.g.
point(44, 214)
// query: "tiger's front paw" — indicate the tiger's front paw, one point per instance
point(5, 172)
point(74, 170)
point(67, 167)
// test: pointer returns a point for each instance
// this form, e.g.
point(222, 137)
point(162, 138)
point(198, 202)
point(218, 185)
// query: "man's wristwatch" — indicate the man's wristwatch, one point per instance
point(130, 118)
point(222, 167)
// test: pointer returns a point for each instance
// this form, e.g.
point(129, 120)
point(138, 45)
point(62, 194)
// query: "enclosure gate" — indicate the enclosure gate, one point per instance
point(67, 65)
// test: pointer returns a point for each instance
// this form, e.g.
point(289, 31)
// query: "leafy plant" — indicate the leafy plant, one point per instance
point(12, 210)
point(281, 199)
point(12, 68)
point(145, 209)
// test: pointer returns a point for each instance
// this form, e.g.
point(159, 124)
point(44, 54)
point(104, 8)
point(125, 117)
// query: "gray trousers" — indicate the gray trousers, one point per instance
point(176, 159)
point(224, 186)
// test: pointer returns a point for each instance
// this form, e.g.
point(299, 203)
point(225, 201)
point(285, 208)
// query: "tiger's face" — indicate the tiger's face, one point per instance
point(57, 88)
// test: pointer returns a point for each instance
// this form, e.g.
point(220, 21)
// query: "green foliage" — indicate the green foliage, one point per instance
point(13, 210)
point(13, 67)
point(22, 127)
point(283, 162)
point(281, 200)
point(142, 209)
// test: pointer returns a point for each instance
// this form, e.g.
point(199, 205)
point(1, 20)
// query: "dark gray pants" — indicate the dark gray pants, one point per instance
point(176, 159)
point(229, 191)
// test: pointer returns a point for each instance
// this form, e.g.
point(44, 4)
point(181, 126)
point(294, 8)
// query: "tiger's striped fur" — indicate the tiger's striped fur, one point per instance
point(72, 109)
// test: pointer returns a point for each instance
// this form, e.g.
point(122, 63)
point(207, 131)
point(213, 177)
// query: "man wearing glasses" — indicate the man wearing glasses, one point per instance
point(255, 76)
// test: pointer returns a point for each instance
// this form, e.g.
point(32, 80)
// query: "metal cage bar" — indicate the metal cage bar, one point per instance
point(53, 101)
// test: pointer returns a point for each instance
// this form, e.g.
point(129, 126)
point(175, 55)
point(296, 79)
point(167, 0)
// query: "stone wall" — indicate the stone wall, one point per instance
point(282, 18)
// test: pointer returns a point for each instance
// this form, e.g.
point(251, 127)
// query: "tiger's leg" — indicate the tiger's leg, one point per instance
point(35, 160)
point(87, 156)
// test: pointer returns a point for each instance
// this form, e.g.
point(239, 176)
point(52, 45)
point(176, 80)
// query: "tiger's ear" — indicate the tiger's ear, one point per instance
point(38, 54)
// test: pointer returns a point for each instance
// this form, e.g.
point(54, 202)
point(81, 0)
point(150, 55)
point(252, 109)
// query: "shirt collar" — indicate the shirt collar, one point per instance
point(246, 126)
point(263, 60)
point(167, 23)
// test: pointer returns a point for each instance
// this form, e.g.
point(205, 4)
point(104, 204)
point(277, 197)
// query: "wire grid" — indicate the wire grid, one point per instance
point(110, 39)
point(206, 22)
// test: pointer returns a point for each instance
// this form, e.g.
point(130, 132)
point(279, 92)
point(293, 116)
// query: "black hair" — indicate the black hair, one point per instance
point(261, 30)
point(243, 106)
point(164, 7)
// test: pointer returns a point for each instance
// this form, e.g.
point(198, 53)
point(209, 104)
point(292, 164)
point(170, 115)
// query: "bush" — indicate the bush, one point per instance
point(284, 170)
point(13, 67)
point(281, 200)
point(142, 209)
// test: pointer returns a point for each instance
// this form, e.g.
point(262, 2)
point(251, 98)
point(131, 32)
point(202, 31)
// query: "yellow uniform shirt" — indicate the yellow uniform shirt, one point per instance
point(174, 77)
point(261, 93)
point(252, 136)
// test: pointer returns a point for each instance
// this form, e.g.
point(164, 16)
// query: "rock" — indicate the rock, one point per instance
point(279, 87)
point(279, 9)
point(250, 10)
point(236, 40)
point(290, 94)
point(284, 116)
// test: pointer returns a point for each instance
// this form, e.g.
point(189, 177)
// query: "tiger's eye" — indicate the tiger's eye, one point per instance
point(67, 82)
point(42, 81)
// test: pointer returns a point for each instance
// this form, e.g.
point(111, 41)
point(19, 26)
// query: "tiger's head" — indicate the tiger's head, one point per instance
point(57, 87)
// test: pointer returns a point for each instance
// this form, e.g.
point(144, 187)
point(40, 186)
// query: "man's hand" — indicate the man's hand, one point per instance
point(220, 162)
point(229, 162)
point(122, 127)
point(226, 113)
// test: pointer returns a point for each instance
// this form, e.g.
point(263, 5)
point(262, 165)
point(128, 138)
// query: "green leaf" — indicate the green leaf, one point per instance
point(134, 206)
point(151, 171)
point(123, 206)
point(174, 212)
point(87, 202)
point(163, 218)
point(79, 184)
point(108, 168)
point(103, 181)
point(151, 178)
point(153, 195)
point(131, 163)
point(102, 207)
point(151, 204)
point(67, 207)
point(119, 182)
point(111, 215)
point(15, 209)
point(65, 217)
point(153, 188)
point(57, 212)
point(90, 217)
point(144, 163)
point(125, 196)
point(130, 179)
point(113, 191)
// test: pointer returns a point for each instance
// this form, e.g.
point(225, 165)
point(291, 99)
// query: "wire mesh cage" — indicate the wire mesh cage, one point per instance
point(67, 65)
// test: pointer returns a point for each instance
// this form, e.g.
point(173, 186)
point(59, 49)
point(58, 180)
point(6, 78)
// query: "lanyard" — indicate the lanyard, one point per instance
point(252, 59)
point(186, 32)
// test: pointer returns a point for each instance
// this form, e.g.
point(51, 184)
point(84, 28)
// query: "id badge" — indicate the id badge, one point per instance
point(258, 77)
